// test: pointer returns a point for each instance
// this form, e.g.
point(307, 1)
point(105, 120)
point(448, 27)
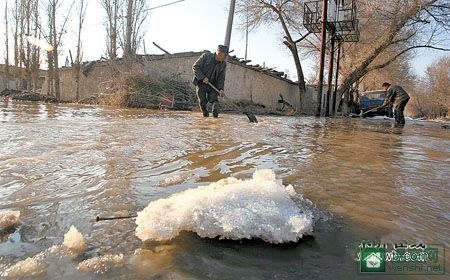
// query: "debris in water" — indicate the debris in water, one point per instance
point(8, 218)
point(231, 208)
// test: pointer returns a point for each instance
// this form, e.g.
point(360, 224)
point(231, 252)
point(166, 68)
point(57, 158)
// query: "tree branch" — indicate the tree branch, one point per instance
point(392, 59)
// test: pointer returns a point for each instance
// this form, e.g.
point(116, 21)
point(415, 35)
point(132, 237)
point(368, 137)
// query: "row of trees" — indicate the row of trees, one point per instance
point(432, 97)
point(47, 21)
point(391, 32)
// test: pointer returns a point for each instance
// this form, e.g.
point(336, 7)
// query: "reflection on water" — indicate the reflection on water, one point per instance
point(61, 165)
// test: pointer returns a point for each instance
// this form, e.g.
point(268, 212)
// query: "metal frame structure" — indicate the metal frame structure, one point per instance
point(340, 18)
point(322, 16)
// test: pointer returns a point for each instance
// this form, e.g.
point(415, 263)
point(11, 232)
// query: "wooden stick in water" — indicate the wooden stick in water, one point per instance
point(98, 218)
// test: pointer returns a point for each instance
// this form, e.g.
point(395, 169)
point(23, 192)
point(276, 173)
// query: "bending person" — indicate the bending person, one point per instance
point(210, 68)
point(398, 97)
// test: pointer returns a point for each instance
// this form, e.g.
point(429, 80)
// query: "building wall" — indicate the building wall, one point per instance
point(2, 80)
point(241, 83)
point(13, 82)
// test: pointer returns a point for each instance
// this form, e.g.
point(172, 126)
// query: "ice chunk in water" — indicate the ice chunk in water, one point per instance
point(27, 268)
point(101, 264)
point(74, 240)
point(8, 218)
point(73, 244)
point(231, 208)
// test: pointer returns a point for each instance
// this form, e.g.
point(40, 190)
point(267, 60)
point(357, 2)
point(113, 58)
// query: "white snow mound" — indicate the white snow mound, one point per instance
point(231, 208)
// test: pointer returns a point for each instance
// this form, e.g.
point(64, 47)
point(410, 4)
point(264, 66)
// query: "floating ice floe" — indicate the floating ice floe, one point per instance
point(261, 207)
point(30, 267)
point(101, 264)
point(8, 218)
point(73, 244)
point(74, 240)
point(177, 179)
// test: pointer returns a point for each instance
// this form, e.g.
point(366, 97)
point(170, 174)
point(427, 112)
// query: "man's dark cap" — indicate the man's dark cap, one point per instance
point(222, 48)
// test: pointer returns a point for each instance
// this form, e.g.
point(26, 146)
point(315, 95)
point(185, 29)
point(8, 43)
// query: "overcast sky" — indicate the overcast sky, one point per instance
point(190, 25)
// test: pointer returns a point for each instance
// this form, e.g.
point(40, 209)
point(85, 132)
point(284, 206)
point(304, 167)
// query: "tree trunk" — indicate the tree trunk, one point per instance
point(16, 14)
point(55, 54)
point(113, 34)
point(6, 68)
point(112, 8)
point(292, 46)
point(129, 29)
point(78, 58)
point(35, 62)
point(27, 58)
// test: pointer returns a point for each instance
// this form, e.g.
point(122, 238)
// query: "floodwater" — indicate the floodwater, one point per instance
point(62, 165)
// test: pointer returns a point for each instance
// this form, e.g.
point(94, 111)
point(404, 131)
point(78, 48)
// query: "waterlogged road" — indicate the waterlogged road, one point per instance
point(61, 165)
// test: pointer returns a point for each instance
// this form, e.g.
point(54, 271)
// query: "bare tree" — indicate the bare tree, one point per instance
point(6, 76)
point(112, 9)
point(286, 13)
point(433, 98)
point(18, 42)
point(123, 26)
point(35, 61)
point(390, 30)
point(399, 70)
point(129, 29)
point(136, 13)
point(81, 17)
point(26, 23)
point(55, 40)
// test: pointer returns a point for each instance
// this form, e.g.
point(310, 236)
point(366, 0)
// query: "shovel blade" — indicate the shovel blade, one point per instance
point(251, 118)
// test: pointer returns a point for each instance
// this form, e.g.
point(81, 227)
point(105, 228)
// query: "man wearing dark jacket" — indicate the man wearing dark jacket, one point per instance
point(210, 68)
point(398, 97)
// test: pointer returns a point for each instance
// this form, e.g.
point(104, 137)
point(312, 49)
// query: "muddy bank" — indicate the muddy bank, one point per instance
point(27, 96)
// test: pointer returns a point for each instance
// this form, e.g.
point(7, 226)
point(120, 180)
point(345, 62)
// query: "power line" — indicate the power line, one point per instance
point(171, 3)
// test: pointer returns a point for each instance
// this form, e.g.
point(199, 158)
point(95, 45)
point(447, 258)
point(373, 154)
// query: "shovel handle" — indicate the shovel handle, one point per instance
point(251, 118)
point(373, 109)
point(225, 97)
point(214, 87)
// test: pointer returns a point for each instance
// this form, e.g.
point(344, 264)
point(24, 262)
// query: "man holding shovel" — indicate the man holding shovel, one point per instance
point(210, 68)
point(399, 98)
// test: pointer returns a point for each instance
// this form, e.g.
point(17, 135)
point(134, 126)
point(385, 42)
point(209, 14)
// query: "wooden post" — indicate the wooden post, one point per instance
point(230, 23)
point(322, 58)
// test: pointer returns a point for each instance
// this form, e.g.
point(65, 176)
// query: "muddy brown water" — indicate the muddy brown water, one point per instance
point(61, 165)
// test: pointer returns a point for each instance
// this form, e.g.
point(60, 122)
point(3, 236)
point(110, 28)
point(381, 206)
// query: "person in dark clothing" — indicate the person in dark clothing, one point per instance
point(398, 97)
point(210, 68)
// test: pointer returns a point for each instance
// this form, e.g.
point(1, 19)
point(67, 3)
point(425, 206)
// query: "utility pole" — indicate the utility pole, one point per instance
point(246, 35)
point(330, 93)
point(336, 77)
point(322, 57)
point(229, 23)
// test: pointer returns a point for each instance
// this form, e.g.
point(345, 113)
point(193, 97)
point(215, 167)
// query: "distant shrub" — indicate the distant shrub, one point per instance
point(146, 91)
